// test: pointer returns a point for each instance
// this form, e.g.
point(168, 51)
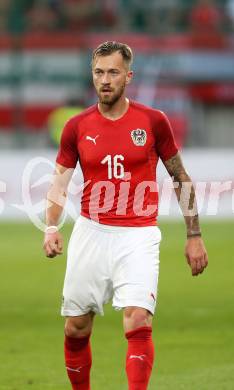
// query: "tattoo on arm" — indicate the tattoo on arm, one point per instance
point(185, 193)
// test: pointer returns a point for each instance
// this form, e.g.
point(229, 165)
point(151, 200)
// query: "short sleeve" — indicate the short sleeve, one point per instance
point(164, 138)
point(68, 152)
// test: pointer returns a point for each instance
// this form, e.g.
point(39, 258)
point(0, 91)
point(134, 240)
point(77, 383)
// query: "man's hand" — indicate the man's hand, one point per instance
point(53, 243)
point(196, 255)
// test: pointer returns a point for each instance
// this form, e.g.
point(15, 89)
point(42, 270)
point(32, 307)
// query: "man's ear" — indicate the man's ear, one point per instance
point(129, 76)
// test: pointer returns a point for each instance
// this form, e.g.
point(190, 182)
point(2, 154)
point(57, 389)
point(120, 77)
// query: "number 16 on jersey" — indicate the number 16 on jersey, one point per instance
point(114, 166)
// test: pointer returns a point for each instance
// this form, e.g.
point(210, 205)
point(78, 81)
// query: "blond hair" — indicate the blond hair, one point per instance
point(109, 47)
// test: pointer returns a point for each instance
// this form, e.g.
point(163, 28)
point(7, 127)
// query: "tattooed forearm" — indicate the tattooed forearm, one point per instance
point(185, 193)
point(175, 168)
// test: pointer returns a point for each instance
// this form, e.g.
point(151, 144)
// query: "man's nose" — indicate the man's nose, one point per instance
point(105, 78)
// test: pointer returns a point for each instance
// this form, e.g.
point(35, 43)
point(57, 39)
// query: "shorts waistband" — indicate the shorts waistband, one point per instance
point(110, 228)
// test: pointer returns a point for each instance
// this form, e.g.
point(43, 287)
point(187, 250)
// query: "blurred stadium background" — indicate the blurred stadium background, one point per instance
point(184, 65)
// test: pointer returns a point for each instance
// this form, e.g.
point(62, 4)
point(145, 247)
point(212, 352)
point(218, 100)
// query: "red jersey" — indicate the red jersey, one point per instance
point(118, 159)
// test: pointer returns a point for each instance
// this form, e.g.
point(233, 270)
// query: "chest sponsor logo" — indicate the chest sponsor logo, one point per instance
point(139, 137)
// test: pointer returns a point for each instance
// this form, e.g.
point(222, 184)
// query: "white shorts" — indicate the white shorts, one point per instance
point(107, 262)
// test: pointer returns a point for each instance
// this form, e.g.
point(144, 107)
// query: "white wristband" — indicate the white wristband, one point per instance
point(53, 227)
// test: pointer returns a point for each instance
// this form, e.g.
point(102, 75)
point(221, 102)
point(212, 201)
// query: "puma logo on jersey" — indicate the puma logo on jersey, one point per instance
point(92, 139)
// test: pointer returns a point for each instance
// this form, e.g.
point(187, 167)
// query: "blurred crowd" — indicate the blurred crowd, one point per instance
point(149, 16)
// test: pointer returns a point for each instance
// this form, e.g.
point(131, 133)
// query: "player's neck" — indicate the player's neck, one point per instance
point(116, 111)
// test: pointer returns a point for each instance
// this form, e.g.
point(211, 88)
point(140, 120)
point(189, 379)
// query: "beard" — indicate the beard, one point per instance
point(111, 99)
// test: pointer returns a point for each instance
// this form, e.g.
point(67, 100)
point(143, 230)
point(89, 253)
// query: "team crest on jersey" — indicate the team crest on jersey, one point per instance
point(139, 137)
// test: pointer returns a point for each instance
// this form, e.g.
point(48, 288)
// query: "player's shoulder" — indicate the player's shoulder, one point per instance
point(78, 118)
point(153, 113)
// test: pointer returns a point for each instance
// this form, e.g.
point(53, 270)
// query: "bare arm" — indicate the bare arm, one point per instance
point(195, 250)
point(56, 198)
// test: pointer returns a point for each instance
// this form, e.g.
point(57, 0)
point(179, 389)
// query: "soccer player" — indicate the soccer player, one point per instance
point(114, 247)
